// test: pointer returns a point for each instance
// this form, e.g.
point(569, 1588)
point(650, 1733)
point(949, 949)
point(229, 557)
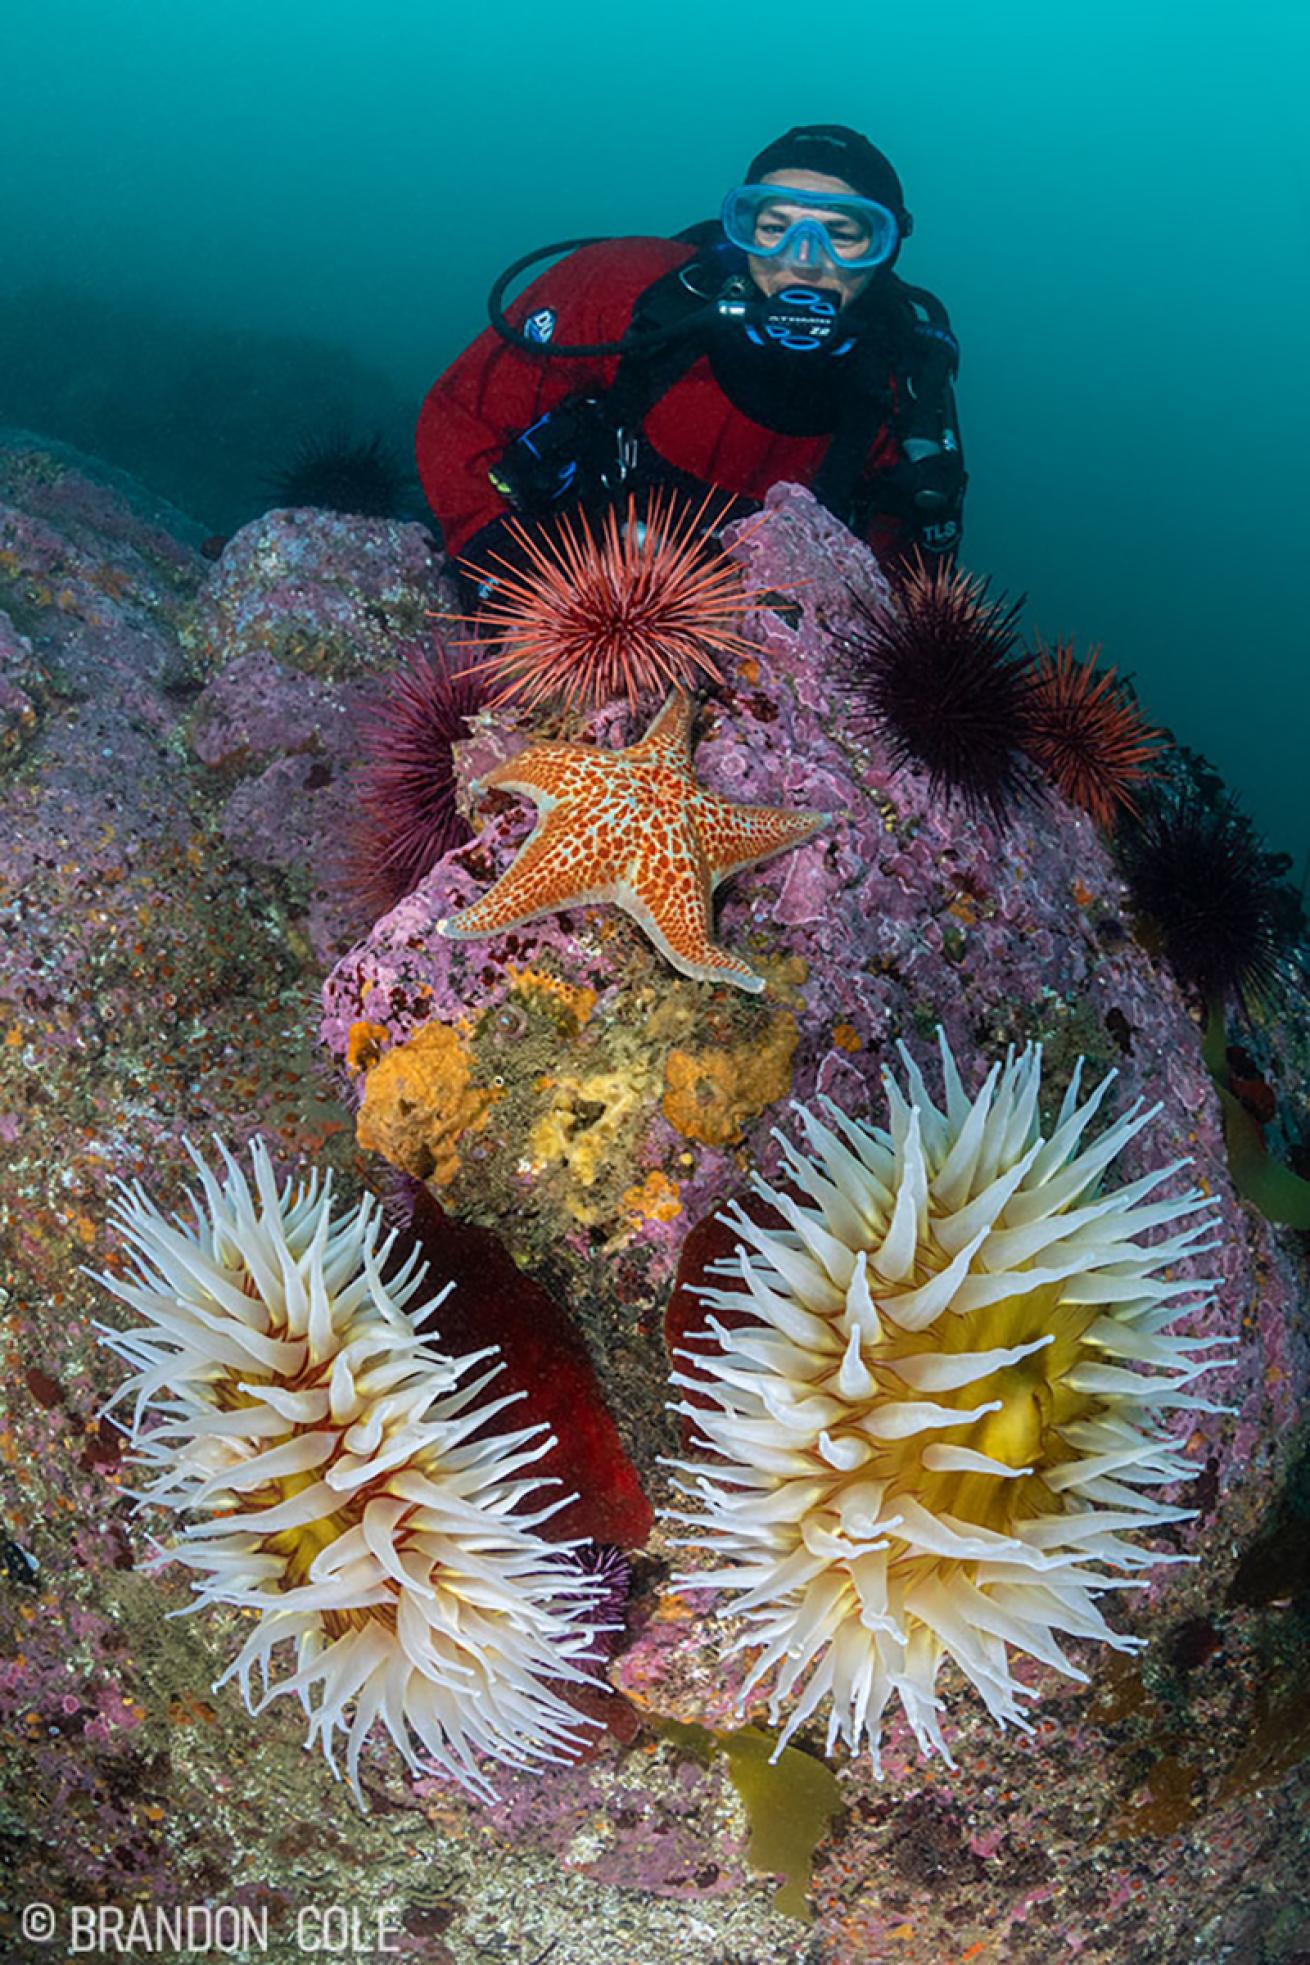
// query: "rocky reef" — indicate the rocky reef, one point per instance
point(562, 1116)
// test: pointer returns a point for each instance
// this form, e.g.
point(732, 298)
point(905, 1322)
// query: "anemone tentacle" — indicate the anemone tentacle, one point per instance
point(349, 1489)
point(931, 1397)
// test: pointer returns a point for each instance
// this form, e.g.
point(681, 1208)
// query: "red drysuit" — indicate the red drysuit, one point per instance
point(494, 390)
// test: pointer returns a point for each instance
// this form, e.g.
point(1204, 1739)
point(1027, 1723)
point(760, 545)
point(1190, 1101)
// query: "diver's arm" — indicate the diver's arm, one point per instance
point(932, 476)
point(897, 535)
point(915, 481)
point(487, 395)
point(938, 483)
point(494, 390)
point(456, 450)
point(890, 539)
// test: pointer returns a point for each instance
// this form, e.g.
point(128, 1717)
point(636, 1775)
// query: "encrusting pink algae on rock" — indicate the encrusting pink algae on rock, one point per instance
point(896, 919)
point(566, 1118)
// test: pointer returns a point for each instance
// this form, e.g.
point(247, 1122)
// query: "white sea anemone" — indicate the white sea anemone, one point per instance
point(354, 1499)
point(932, 1399)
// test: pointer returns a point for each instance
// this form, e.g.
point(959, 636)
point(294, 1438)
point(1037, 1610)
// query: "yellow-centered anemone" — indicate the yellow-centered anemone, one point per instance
point(933, 1402)
point(351, 1493)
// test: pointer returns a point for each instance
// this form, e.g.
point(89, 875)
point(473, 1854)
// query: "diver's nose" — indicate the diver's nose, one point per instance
point(804, 247)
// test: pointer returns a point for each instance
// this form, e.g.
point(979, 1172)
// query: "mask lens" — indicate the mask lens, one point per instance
point(773, 220)
point(850, 239)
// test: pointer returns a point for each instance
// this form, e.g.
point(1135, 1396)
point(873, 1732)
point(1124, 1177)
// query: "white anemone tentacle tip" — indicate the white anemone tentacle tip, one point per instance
point(933, 1397)
point(342, 1481)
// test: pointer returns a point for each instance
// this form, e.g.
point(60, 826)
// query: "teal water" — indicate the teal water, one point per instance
point(223, 222)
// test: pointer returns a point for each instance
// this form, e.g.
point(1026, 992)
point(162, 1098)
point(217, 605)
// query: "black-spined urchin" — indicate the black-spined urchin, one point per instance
point(1229, 921)
point(333, 471)
point(937, 676)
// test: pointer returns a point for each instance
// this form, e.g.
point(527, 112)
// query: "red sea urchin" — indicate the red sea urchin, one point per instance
point(407, 817)
point(633, 609)
point(1088, 735)
point(937, 678)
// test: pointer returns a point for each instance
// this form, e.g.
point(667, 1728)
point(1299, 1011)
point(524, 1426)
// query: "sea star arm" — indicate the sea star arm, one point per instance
point(735, 836)
point(558, 867)
point(545, 773)
point(668, 740)
point(666, 889)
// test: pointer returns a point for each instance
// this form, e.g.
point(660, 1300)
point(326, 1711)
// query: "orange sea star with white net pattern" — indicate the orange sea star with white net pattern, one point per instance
point(632, 827)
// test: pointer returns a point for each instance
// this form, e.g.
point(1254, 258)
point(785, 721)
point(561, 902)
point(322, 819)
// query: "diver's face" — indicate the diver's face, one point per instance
point(772, 275)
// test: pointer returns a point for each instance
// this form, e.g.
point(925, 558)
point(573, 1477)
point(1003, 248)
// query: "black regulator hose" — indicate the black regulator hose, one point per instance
point(631, 343)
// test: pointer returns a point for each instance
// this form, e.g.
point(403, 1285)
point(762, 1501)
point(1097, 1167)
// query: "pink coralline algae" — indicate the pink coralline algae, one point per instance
point(595, 1099)
point(590, 1101)
point(283, 747)
point(328, 594)
point(174, 803)
point(302, 620)
point(19, 689)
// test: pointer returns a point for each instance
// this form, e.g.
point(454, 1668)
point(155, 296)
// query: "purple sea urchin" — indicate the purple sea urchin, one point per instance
point(937, 678)
point(612, 1571)
point(932, 1409)
point(408, 818)
point(350, 1492)
point(1228, 919)
point(334, 472)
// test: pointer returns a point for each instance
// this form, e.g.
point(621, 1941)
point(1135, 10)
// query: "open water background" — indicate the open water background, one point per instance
point(223, 225)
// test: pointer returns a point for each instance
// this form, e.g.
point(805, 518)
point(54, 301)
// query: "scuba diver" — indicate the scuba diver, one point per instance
point(776, 345)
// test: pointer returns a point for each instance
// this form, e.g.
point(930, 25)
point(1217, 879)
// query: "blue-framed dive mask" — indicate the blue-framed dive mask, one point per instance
point(774, 221)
